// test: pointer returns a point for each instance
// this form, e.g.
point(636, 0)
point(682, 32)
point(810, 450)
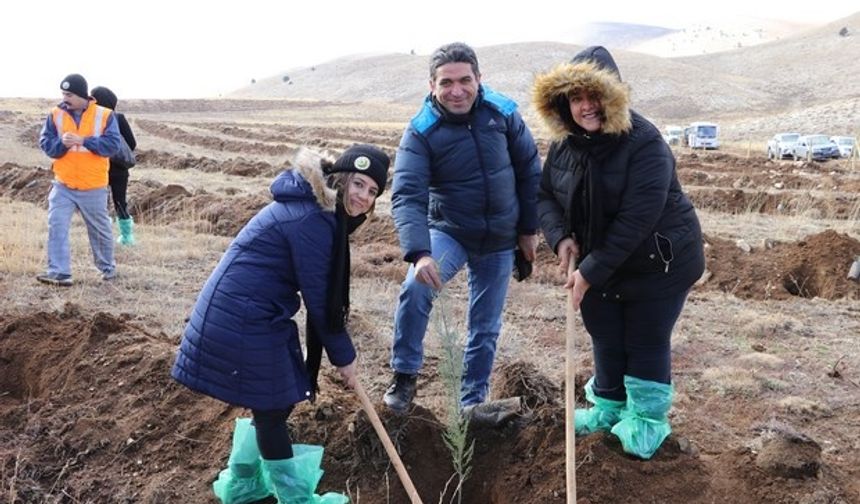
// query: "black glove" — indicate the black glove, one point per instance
point(522, 266)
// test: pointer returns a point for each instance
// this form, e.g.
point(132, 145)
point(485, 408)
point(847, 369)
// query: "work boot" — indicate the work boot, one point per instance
point(126, 231)
point(601, 417)
point(55, 279)
point(644, 422)
point(109, 275)
point(294, 480)
point(400, 393)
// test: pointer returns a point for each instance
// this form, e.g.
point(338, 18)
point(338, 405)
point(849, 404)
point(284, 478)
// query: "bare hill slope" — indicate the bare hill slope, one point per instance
point(809, 82)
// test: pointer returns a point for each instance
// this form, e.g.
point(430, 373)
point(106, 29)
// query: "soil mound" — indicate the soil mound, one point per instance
point(814, 267)
point(88, 413)
point(238, 166)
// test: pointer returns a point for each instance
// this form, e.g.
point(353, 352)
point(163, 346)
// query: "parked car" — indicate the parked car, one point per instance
point(818, 147)
point(847, 145)
point(673, 134)
point(781, 145)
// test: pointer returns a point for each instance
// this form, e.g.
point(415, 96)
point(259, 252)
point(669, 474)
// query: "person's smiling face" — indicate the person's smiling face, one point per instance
point(587, 111)
point(361, 192)
point(455, 87)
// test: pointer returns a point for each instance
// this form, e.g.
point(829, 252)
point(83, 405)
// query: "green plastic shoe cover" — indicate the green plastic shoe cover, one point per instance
point(295, 480)
point(644, 425)
point(126, 231)
point(243, 481)
point(602, 416)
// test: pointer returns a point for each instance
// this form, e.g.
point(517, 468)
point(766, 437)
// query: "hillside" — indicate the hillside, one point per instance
point(809, 81)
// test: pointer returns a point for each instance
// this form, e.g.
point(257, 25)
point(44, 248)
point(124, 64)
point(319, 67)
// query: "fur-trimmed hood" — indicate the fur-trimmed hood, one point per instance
point(309, 165)
point(594, 71)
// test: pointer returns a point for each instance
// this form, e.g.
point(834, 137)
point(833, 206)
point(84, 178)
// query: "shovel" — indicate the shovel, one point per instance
point(367, 406)
point(570, 397)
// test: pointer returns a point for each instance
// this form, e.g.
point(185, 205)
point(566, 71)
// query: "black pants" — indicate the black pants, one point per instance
point(273, 436)
point(630, 338)
point(118, 179)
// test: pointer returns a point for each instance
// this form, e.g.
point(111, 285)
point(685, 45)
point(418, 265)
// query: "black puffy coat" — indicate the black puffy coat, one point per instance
point(616, 191)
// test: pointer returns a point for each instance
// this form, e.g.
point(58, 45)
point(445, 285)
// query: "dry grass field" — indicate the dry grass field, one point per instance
point(766, 354)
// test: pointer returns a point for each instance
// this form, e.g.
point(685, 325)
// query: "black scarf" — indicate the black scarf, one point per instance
point(590, 151)
point(337, 305)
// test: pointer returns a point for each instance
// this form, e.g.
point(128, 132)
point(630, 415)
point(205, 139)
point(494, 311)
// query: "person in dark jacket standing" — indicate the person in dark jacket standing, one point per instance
point(241, 344)
point(464, 194)
point(610, 201)
point(118, 174)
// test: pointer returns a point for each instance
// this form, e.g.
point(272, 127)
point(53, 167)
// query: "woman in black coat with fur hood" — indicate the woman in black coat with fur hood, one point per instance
point(610, 200)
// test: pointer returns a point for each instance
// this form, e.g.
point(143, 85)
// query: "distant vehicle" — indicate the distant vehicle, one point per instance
point(781, 145)
point(702, 135)
point(673, 135)
point(817, 147)
point(847, 145)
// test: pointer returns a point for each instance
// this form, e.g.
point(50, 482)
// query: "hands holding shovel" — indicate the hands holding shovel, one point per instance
point(568, 251)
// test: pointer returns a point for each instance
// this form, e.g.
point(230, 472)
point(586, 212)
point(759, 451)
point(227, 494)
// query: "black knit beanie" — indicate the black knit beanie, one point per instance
point(104, 97)
point(75, 84)
point(366, 159)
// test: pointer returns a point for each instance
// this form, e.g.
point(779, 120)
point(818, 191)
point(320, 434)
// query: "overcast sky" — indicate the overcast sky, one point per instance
point(191, 48)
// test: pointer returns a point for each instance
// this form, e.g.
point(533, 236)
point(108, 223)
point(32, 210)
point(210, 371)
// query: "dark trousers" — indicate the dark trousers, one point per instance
point(118, 180)
point(273, 436)
point(630, 338)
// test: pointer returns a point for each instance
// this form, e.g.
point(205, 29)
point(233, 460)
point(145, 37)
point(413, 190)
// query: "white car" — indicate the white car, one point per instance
point(814, 147)
point(781, 145)
point(846, 145)
point(673, 135)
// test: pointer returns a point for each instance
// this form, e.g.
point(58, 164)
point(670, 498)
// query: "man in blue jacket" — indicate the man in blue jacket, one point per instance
point(464, 194)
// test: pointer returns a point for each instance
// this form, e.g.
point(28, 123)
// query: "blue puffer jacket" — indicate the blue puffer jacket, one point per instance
point(241, 344)
point(475, 180)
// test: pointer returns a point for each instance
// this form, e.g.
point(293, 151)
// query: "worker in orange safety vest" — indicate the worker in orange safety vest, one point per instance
point(80, 137)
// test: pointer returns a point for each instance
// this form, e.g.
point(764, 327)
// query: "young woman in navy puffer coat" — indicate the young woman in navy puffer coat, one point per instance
point(241, 344)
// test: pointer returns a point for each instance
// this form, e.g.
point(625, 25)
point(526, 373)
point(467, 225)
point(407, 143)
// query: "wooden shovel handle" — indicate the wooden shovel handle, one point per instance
point(367, 406)
point(570, 397)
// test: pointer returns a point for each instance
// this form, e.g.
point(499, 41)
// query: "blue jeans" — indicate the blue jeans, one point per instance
point(489, 275)
point(62, 203)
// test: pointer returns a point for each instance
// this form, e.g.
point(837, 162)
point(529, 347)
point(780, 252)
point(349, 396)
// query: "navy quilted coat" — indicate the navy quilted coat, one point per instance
point(241, 344)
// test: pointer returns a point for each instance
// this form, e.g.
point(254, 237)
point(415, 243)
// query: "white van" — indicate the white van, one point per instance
point(702, 135)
